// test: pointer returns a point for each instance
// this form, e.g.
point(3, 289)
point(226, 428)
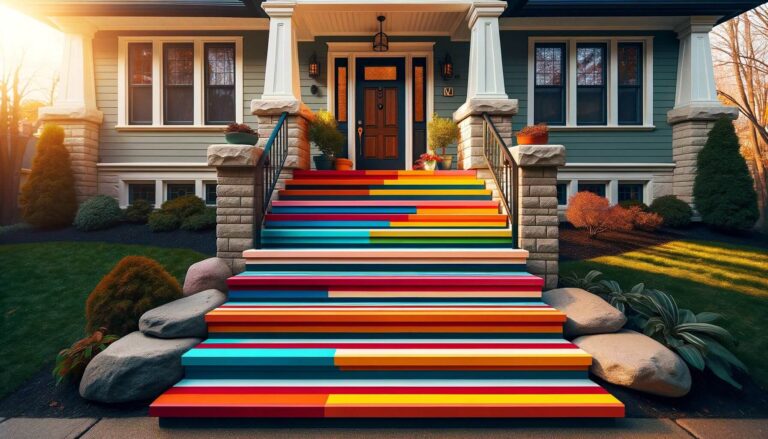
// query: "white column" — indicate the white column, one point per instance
point(486, 76)
point(281, 79)
point(695, 69)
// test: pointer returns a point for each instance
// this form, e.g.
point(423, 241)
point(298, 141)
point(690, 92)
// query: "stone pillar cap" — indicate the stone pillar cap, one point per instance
point(530, 156)
point(706, 112)
point(477, 106)
point(274, 107)
point(229, 155)
point(70, 113)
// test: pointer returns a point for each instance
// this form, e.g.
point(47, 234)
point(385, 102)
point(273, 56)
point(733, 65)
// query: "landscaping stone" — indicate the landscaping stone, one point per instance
point(181, 318)
point(208, 274)
point(135, 368)
point(587, 312)
point(633, 360)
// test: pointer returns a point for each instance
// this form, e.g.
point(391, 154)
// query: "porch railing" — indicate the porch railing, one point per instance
point(268, 170)
point(504, 170)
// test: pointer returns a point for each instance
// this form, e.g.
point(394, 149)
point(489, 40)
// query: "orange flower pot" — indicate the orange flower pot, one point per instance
point(343, 164)
point(541, 139)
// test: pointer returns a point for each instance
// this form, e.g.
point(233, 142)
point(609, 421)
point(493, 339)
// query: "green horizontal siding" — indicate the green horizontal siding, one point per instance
point(606, 146)
point(177, 146)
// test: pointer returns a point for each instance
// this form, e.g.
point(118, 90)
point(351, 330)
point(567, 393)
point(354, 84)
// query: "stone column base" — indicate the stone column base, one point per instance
point(299, 116)
point(469, 117)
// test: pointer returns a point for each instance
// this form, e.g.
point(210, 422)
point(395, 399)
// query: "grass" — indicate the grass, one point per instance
point(702, 276)
point(43, 288)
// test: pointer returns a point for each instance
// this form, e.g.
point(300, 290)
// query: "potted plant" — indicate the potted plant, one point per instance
point(324, 132)
point(428, 161)
point(240, 134)
point(533, 135)
point(442, 131)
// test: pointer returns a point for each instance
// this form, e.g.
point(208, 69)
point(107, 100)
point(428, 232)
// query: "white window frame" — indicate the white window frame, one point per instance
point(157, 81)
point(612, 86)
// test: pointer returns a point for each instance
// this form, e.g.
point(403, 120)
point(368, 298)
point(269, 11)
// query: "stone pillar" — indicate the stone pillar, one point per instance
point(696, 103)
point(235, 177)
point(469, 118)
point(75, 110)
point(538, 223)
point(299, 116)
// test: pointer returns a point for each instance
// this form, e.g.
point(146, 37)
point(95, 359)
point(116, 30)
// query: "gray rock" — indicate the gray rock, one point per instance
point(135, 368)
point(234, 155)
point(587, 312)
point(208, 274)
point(539, 155)
point(633, 360)
point(181, 318)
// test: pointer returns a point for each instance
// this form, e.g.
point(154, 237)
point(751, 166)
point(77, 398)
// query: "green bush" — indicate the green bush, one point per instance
point(442, 131)
point(200, 221)
point(634, 203)
point(723, 191)
point(138, 212)
point(97, 213)
point(184, 207)
point(48, 198)
point(324, 132)
point(136, 285)
point(162, 221)
point(676, 213)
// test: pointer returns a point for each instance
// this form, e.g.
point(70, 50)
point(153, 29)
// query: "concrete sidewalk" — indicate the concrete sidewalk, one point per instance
point(140, 428)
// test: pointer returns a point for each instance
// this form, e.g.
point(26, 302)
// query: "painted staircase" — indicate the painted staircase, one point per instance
point(385, 294)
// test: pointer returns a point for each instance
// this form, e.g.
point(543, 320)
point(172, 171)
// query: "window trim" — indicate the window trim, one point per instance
point(612, 86)
point(157, 84)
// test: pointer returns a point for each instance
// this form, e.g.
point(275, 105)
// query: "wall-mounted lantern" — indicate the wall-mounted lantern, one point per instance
point(381, 40)
point(446, 70)
point(314, 67)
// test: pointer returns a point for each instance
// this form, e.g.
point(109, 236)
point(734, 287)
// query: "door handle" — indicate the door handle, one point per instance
point(360, 135)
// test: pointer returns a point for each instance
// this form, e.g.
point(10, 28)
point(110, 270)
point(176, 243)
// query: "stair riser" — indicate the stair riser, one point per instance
point(384, 267)
point(401, 376)
point(382, 225)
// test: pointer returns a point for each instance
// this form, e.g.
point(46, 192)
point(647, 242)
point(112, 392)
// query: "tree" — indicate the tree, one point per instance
point(48, 197)
point(595, 214)
point(741, 53)
point(723, 191)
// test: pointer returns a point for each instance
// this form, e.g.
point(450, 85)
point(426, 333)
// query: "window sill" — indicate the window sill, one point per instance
point(177, 128)
point(603, 128)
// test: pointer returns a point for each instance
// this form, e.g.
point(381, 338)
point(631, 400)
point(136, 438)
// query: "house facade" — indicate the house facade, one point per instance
point(626, 86)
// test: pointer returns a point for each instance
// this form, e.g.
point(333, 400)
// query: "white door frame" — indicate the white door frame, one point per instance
point(406, 50)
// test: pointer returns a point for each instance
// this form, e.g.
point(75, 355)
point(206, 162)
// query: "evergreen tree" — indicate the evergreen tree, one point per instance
point(724, 192)
point(48, 197)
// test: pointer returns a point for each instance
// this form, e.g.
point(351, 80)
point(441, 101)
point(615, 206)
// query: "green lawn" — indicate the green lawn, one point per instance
point(702, 276)
point(43, 288)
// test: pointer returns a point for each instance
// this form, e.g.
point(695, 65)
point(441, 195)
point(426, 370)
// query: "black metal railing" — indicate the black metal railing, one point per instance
point(504, 169)
point(268, 170)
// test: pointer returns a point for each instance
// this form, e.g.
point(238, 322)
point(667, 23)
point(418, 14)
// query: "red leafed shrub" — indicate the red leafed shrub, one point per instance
point(593, 213)
point(647, 221)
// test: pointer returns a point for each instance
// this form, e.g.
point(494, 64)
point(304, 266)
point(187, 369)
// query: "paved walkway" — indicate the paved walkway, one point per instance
point(140, 428)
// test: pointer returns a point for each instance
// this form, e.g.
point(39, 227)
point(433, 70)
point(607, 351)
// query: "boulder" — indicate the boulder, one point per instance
point(633, 360)
point(208, 274)
point(135, 368)
point(587, 313)
point(181, 318)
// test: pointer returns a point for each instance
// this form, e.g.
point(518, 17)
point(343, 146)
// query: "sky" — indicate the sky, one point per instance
point(39, 45)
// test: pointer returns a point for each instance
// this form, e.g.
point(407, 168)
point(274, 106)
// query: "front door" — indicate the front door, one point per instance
point(380, 113)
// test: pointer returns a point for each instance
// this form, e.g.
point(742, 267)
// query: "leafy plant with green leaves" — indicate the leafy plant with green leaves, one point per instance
point(614, 294)
point(71, 362)
point(588, 282)
point(702, 344)
point(324, 132)
point(442, 131)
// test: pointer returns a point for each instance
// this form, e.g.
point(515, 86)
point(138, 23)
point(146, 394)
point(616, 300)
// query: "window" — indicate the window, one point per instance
point(219, 83)
point(630, 83)
point(176, 190)
point(595, 188)
point(178, 83)
point(549, 84)
point(141, 191)
point(380, 73)
point(562, 194)
point(419, 90)
point(630, 192)
point(591, 84)
point(210, 194)
point(140, 83)
point(341, 89)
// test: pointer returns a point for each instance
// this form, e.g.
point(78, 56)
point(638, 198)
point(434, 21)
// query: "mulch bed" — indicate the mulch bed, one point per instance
point(203, 242)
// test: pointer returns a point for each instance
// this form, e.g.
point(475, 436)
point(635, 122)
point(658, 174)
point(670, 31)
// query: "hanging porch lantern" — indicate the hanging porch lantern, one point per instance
point(381, 40)
point(314, 67)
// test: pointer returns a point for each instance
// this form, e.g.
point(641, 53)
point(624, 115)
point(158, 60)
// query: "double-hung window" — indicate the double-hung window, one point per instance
point(591, 97)
point(549, 84)
point(179, 81)
point(630, 76)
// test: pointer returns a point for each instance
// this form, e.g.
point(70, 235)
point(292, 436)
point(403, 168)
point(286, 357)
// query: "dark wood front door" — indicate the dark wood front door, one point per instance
point(380, 113)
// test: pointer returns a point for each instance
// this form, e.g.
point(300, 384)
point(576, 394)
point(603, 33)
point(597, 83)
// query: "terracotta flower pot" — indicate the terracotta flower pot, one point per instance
point(541, 139)
point(343, 164)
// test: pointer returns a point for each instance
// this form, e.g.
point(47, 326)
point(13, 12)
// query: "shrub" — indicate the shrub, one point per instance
point(48, 198)
point(634, 203)
point(136, 285)
point(324, 132)
point(539, 129)
point(239, 128)
point(184, 207)
point(97, 213)
point(442, 131)
point(647, 221)
point(724, 191)
point(200, 221)
point(675, 212)
point(593, 212)
point(138, 212)
point(71, 362)
point(161, 221)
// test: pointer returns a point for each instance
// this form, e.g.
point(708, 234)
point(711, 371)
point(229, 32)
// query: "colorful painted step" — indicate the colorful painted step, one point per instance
point(382, 294)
